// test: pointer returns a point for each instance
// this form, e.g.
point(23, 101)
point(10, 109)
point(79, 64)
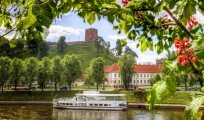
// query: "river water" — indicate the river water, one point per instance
point(46, 112)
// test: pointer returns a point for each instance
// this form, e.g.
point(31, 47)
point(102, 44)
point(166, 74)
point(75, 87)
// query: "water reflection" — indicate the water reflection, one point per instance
point(43, 112)
point(63, 114)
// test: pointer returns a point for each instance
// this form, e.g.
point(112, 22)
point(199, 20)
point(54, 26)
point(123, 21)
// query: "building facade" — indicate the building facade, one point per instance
point(141, 76)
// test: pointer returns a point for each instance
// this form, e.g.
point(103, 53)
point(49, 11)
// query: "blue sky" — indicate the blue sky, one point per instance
point(73, 27)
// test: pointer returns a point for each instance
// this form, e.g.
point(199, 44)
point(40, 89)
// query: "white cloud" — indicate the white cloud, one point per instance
point(115, 37)
point(8, 36)
point(199, 17)
point(55, 31)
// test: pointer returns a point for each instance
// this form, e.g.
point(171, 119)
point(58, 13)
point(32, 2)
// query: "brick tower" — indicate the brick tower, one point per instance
point(90, 34)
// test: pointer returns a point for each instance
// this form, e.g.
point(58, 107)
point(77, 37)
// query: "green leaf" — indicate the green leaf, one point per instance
point(132, 35)
point(29, 20)
point(143, 43)
point(190, 9)
point(91, 17)
point(111, 18)
point(194, 106)
point(12, 43)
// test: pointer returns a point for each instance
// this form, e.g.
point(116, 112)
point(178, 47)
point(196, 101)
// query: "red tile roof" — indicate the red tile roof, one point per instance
point(137, 68)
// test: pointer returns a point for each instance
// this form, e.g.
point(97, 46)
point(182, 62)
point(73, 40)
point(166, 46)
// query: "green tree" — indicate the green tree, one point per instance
point(126, 68)
point(31, 70)
point(100, 44)
point(43, 50)
point(44, 72)
point(5, 70)
point(16, 71)
point(128, 50)
point(96, 71)
point(108, 48)
point(89, 81)
point(56, 70)
point(118, 48)
point(71, 69)
point(61, 45)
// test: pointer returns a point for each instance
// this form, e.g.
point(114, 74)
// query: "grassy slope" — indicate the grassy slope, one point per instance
point(85, 52)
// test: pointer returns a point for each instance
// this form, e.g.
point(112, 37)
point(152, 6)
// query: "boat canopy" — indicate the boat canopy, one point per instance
point(101, 95)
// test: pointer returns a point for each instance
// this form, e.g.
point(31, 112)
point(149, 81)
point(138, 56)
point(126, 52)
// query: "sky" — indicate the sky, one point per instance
point(73, 28)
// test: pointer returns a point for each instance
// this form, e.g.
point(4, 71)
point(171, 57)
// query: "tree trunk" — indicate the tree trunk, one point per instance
point(97, 86)
point(70, 87)
point(55, 86)
point(30, 86)
point(15, 86)
point(125, 86)
point(185, 83)
point(2, 87)
point(42, 86)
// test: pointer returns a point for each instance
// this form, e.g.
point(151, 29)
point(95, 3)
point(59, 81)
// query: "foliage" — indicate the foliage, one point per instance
point(72, 69)
point(56, 70)
point(85, 52)
point(5, 68)
point(126, 68)
point(61, 44)
point(96, 71)
point(128, 50)
point(31, 70)
point(16, 71)
point(43, 72)
point(43, 50)
point(118, 48)
point(100, 45)
point(155, 79)
point(193, 107)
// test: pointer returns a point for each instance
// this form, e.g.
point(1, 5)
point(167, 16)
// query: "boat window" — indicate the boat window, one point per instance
point(105, 104)
point(95, 104)
point(109, 104)
point(63, 103)
point(71, 103)
point(91, 104)
point(67, 103)
point(100, 104)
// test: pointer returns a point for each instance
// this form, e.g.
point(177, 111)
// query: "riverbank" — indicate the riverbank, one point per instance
point(130, 105)
point(133, 97)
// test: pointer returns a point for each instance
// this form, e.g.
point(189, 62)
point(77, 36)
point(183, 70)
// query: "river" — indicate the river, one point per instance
point(46, 112)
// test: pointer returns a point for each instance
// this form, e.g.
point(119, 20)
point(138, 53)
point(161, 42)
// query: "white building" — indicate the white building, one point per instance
point(141, 76)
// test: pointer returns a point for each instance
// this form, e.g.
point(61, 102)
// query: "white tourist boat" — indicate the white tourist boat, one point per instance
point(93, 100)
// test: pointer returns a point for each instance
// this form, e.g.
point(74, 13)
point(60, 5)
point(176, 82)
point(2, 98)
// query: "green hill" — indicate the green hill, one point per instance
point(86, 53)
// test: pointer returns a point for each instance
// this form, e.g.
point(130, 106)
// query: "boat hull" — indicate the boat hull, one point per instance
point(91, 108)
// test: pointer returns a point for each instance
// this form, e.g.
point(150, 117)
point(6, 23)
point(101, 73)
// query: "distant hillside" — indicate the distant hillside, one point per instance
point(86, 53)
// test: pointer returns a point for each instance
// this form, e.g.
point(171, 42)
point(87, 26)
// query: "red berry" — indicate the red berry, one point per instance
point(194, 59)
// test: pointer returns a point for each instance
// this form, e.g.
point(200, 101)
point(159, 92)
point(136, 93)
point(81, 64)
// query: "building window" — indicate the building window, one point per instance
point(144, 81)
point(148, 81)
point(138, 81)
point(134, 81)
point(140, 75)
point(141, 81)
point(144, 75)
point(137, 75)
point(119, 82)
point(115, 75)
point(147, 75)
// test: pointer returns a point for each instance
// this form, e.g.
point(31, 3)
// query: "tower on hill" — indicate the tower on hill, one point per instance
point(90, 34)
